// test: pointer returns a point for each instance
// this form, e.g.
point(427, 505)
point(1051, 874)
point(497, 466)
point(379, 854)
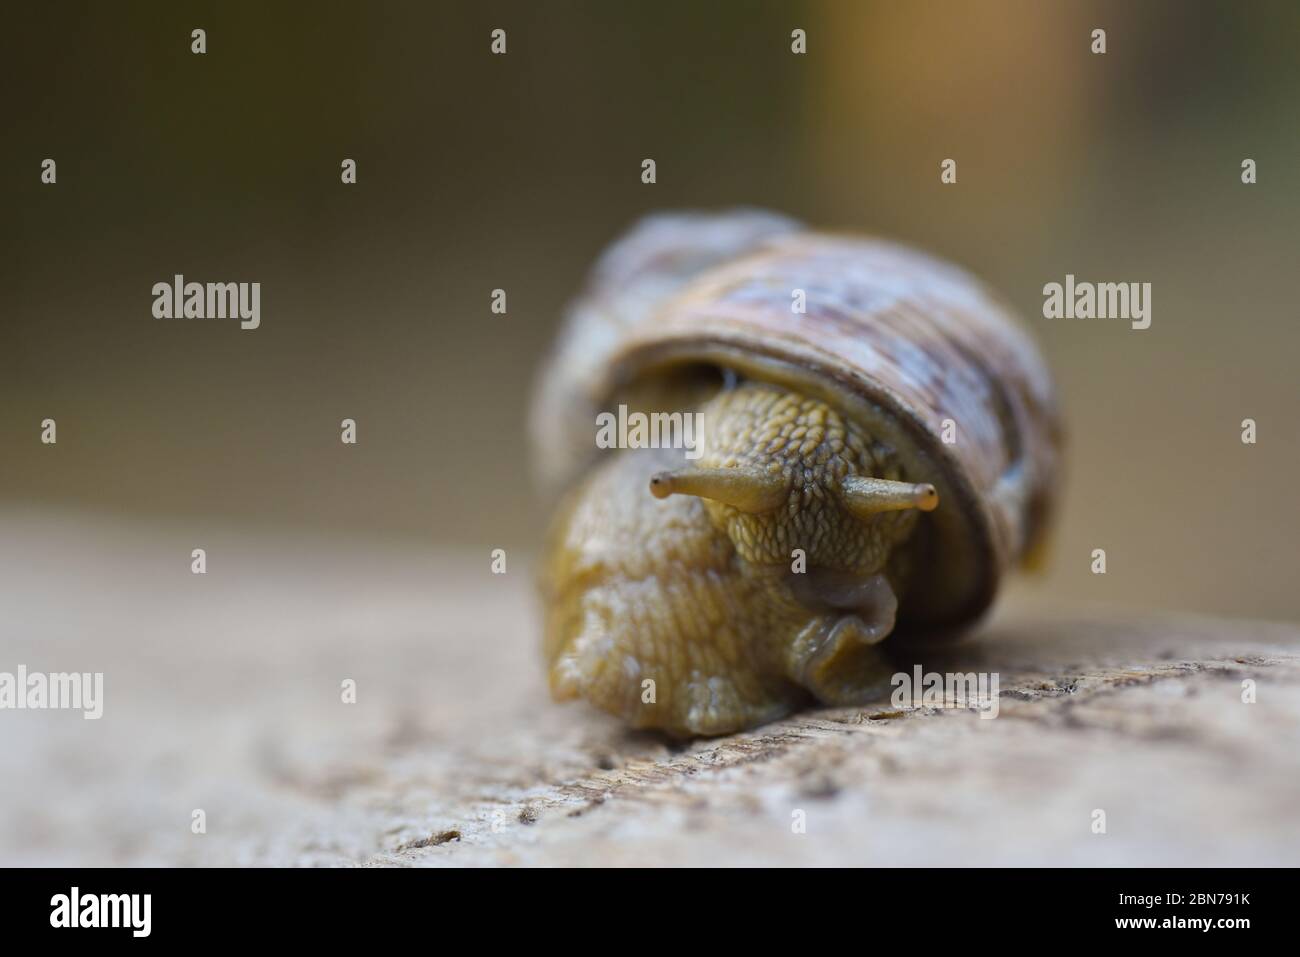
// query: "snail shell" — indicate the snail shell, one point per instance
point(904, 354)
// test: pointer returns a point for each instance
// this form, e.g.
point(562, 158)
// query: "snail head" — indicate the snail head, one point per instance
point(779, 471)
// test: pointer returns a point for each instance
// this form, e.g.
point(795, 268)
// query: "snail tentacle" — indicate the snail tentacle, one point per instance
point(865, 496)
point(746, 489)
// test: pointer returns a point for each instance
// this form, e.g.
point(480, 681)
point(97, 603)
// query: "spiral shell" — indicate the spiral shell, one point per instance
point(914, 346)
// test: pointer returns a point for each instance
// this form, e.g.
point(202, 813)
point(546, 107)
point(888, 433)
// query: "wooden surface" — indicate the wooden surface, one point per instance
point(222, 692)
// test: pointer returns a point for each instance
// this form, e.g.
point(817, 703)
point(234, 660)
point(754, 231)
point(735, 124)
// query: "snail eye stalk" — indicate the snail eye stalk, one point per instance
point(748, 490)
point(865, 497)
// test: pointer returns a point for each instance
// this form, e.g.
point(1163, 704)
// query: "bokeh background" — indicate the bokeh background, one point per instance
point(478, 171)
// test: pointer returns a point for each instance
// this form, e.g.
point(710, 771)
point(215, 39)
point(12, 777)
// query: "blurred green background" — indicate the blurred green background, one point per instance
point(478, 171)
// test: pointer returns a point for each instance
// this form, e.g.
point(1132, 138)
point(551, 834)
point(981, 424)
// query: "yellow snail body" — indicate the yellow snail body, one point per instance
point(879, 442)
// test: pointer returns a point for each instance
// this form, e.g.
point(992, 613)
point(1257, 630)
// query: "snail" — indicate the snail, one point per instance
point(880, 442)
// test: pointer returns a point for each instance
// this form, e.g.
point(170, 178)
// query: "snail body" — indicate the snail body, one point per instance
point(870, 464)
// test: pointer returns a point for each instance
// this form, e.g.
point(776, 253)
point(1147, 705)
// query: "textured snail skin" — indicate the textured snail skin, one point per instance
point(701, 598)
point(902, 432)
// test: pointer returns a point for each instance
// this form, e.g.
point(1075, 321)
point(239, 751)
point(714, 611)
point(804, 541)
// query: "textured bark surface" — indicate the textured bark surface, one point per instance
point(222, 692)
